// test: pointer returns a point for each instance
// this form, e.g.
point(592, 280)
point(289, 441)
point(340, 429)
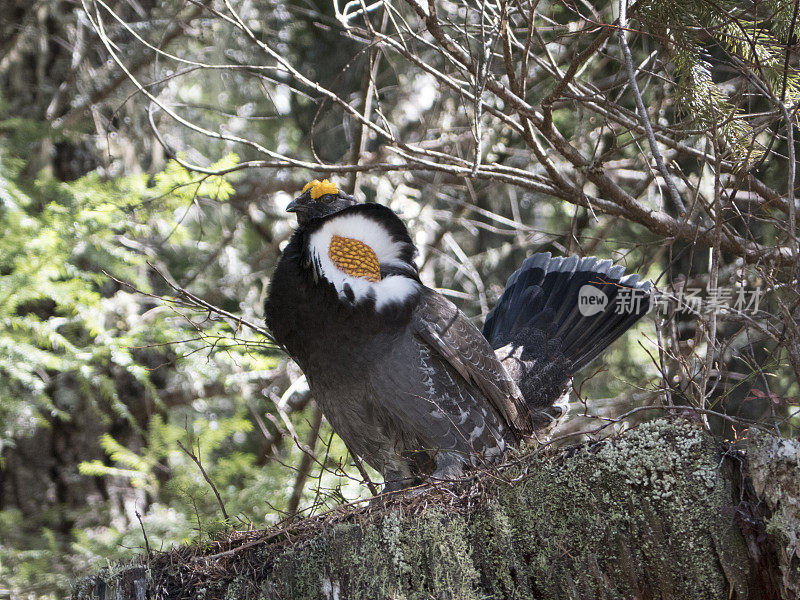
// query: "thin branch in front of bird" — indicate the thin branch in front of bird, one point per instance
point(186, 299)
point(197, 460)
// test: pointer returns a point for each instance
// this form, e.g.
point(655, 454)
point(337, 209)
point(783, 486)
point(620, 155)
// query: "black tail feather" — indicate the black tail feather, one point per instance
point(540, 314)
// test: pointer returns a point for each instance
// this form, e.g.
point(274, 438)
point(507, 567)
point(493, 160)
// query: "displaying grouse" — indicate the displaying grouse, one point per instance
point(402, 375)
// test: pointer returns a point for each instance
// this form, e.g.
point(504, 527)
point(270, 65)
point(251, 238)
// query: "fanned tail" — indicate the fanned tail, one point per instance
point(556, 316)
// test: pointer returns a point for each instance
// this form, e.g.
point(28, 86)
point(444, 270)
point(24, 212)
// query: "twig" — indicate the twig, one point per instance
point(651, 139)
point(199, 464)
point(306, 462)
point(638, 409)
point(210, 307)
point(373, 489)
point(713, 283)
point(144, 533)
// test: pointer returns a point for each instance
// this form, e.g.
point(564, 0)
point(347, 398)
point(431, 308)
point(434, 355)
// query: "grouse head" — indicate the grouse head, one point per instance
point(319, 199)
point(362, 251)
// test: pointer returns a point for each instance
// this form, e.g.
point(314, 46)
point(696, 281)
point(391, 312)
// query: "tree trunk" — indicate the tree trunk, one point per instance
point(664, 511)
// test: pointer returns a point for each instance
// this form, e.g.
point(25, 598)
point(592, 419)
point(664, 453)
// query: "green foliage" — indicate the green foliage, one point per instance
point(138, 469)
point(60, 314)
point(49, 299)
point(181, 184)
point(75, 343)
point(32, 563)
point(758, 44)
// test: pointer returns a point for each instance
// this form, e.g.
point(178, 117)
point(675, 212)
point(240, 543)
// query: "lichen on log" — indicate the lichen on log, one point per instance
point(662, 511)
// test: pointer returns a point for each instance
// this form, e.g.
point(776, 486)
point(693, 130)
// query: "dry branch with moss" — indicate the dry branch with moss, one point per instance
point(662, 511)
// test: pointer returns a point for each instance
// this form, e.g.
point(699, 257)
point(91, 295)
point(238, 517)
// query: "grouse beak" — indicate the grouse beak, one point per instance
point(296, 206)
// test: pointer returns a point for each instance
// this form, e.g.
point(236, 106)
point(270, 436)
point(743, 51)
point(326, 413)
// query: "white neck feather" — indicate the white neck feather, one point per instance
point(393, 289)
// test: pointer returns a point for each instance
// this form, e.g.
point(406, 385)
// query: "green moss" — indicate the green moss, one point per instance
point(397, 558)
point(646, 503)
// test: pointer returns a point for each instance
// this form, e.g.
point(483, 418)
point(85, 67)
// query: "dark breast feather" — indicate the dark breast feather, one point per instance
point(283, 309)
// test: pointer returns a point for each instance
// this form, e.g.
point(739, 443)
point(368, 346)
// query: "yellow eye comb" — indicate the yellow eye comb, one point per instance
point(320, 188)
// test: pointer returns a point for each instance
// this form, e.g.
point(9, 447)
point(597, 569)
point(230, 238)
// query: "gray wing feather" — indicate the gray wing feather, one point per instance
point(448, 332)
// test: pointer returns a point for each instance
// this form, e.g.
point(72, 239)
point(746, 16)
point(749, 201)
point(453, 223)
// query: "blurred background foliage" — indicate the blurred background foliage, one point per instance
point(119, 187)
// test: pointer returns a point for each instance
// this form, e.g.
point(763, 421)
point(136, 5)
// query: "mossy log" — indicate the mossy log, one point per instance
point(663, 511)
